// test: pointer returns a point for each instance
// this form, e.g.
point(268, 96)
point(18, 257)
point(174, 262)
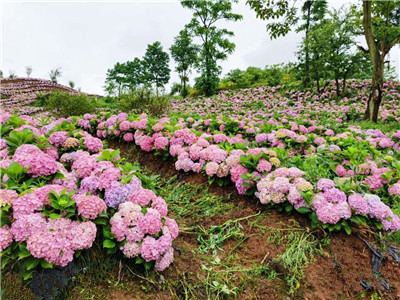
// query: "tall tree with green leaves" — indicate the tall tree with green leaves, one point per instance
point(215, 45)
point(313, 12)
point(184, 52)
point(332, 50)
point(135, 73)
point(381, 28)
point(283, 17)
point(116, 78)
point(155, 63)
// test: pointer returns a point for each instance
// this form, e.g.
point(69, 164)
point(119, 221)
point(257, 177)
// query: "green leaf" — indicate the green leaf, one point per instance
point(288, 208)
point(4, 261)
point(55, 216)
point(27, 275)
point(303, 210)
point(100, 221)
point(31, 263)
point(46, 265)
point(139, 260)
point(23, 253)
point(108, 244)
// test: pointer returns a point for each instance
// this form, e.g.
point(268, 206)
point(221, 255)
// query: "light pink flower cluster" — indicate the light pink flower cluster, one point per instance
point(93, 144)
point(83, 164)
point(146, 229)
point(283, 184)
point(57, 241)
point(7, 197)
point(58, 138)
point(89, 207)
point(37, 162)
point(395, 189)
point(33, 202)
point(6, 238)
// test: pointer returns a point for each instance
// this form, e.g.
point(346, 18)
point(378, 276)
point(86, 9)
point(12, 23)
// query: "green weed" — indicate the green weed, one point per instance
point(301, 246)
point(213, 238)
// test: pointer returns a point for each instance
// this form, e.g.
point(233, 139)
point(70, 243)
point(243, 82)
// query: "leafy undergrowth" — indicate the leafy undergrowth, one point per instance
point(229, 248)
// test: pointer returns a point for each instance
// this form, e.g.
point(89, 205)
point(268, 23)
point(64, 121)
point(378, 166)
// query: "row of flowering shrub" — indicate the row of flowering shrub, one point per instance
point(62, 192)
point(335, 173)
point(278, 103)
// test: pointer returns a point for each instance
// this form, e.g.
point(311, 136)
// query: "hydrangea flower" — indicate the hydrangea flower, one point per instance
point(7, 197)
point(38, 163)
point(6, 237)
point(89, 207)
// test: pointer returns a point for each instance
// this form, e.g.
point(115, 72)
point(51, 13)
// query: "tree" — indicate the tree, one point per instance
point(71, 84)
point(215, 45)
point(12, 74)
point(155, 63)
point(1, 74)
point(28, 70)
point(116, 77)
point(55, 74)
point(381, 28)
point(313, 13)
point(184, 52)
point(128, 75)
point(110, 88)
point(284, 16)
point(135, 74)
point(331, 51)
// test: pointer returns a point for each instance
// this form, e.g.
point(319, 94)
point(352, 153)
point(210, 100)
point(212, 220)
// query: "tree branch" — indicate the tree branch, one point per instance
point(362, 49)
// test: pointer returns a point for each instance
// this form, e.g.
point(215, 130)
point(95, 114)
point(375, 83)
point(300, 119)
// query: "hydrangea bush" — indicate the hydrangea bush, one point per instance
point(62, 192)
point(281, 146)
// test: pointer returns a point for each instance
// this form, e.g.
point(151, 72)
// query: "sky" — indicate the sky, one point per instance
point(85, 39)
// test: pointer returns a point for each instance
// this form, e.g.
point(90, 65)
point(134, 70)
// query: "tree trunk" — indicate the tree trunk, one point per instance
point(337, 87)
point(184, 87)
point(307, 63)
point(375, 97)
point(377, 59)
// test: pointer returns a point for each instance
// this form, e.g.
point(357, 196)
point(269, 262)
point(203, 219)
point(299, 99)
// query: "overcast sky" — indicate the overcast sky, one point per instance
point(87, 38)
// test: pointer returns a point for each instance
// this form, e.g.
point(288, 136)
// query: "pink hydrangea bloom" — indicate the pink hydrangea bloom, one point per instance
point(37, 162)
point(211, 168)
point(89, 207)
point(93, 144)
point(165, 261)
point(130, 249)
point(160, 143)
point(395, 189)
point(108, 176)
point(358, 203)
point(58, 138)
point(325, 184)
point(83, 163)
point(150, 223)
point(143, 197)
point(7, 197)
point(128, 137)
point(6, 237)
point(264, 166)
point(149, 249)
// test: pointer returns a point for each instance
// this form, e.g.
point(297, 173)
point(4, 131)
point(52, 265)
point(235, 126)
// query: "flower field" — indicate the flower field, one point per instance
point(294, 154)
point(313, 162)
point(18, 93)
point(57, 199)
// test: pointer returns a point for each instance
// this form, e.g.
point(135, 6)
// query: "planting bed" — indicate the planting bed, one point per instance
point(276, 193)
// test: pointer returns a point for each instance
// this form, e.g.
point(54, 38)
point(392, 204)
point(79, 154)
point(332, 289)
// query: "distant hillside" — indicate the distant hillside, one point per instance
point(18, 93)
